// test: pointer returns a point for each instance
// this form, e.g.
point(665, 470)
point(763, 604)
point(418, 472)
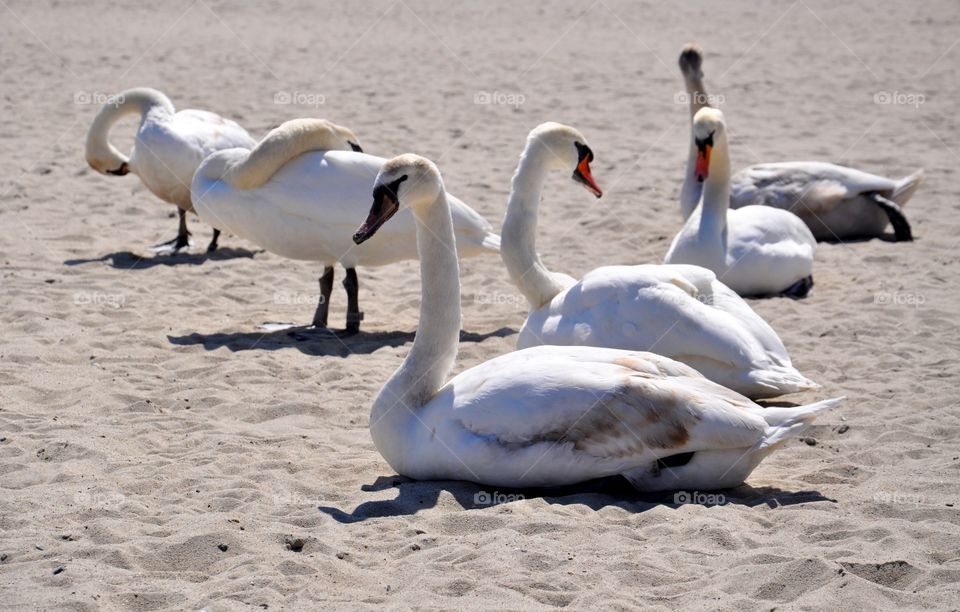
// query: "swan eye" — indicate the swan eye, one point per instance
point(356, 147)
point(703, 143)
point(583, 152)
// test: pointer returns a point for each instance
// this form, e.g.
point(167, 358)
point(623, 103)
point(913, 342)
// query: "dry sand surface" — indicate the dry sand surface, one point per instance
point(145, 420)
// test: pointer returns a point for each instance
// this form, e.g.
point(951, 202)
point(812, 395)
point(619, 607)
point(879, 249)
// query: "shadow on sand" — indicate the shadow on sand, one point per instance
point(315, 343)
point(413, 496)
point(126, 260)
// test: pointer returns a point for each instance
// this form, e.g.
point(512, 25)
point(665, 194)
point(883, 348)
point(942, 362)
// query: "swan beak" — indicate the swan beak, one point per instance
point(121, 171)
point(384, 206)
point(356, 147)
point(703, 163)
point(583, 175)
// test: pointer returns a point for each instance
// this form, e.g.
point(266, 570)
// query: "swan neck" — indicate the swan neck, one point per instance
point(518, 245)
point(434, 349)
point(145, 103)
point(716, 188)
point(279, 147)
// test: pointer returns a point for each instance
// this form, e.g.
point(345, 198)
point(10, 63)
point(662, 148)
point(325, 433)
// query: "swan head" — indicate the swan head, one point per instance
point(567, 150)
point(104, 158)
point(691, 61)
point(708, 128)
point(405, 181)
point(348, 137)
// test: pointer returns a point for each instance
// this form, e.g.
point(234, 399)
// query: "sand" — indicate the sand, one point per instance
point(164, 453)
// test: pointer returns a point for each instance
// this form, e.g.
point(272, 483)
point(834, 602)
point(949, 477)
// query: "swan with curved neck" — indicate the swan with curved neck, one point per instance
point(835, 202)
point(756, 250)
point(168, 148)
point(681, 312)
point(300, 191)
point(548, 415)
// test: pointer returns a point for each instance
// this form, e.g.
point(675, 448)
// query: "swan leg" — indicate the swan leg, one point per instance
point(172, 247)
point(901, 227)
point(323, 306)
point(354, 316)
point(213, 241)
point(799, 289)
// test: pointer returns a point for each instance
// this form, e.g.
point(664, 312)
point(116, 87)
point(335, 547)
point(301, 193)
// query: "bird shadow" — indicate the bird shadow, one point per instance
point(127, 260)
point(414, 496)
point(315, 344)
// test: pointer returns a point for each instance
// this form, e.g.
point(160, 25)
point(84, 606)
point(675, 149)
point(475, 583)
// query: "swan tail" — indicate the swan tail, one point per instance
point(785, 423)
point(906, 187)
point(491, 242)
point(783, 380)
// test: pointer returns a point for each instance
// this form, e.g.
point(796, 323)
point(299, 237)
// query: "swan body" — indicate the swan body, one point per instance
point(679, 311)
point(835, 202)
point(755, 250)
point(168, 147)
point(549, 415)
point(300, 194)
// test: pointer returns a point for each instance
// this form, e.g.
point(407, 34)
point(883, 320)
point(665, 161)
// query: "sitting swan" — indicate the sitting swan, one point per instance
point(301, 192)
point(681, 312)
point(834, 201)
point(168, 148)
point(549, 415)
point(755, 250)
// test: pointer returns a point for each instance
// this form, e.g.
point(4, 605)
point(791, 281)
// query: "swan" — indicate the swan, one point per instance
point(169, 146)
point(301, 191)
point(679, 311)
point(834, 201)
point(549, 415)
point(755, 250)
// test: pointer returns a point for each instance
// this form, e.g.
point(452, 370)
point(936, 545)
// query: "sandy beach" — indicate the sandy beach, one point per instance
point(160, 451)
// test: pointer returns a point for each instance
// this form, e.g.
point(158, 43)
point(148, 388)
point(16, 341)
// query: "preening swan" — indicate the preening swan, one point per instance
point(549, 415)
point(168, 148)
point(302, 191)
point(678, 311)
point(834, 201)
point(755, 250)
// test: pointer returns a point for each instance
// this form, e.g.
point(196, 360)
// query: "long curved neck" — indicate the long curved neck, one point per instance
point(716, 189)
point(518, 241)
point(139, 101)
point(434, 349)
point(691, 190)
point(281, 145)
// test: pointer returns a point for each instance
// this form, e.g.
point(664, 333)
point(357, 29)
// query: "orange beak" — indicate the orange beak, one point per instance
point(703, 163)
point(583, 175)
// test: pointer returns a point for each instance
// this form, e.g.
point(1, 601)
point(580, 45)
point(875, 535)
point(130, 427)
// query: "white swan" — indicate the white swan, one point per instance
point(301, 192)
point(168, 148)
point(755, 250)
point(834, 201)
point(549, 415)
point(681, 312)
